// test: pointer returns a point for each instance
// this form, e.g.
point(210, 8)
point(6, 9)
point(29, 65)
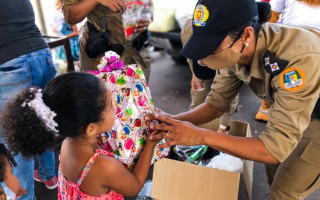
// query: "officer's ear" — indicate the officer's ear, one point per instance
point(248, 34)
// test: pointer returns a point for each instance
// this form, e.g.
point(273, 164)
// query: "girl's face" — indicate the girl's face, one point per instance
point(108, 117)
point(11, 180)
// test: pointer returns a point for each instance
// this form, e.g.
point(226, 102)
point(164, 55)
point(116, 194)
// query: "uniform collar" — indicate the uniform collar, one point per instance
point(256, 69)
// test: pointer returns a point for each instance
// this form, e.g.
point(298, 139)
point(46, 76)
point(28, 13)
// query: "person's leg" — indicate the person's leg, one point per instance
point(263, 111)
point(198, 98)
point(299, 175)
point(225, 119)
point(46, 168)
point(41, 66)
point(43, 71)
point(15, 76)
point(86, 63)
point(24, 172)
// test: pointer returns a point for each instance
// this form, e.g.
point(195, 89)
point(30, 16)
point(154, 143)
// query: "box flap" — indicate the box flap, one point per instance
point(247, 172)
point(179, 180)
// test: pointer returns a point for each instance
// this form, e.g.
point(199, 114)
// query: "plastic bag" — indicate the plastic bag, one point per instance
point(136, 9)
point(225, 162)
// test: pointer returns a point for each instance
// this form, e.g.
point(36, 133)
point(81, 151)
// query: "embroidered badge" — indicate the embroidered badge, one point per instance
point(201, 15)
point(292, 79)
point(272, 64)
point(274, 67)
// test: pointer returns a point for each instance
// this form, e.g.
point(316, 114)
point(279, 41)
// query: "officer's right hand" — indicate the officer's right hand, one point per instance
point(114, 5)
point(196, 84)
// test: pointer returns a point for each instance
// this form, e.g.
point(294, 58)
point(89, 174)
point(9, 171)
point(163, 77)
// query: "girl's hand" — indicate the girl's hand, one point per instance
point(179, 132)
point(157, 112)
point(155, 141)
point(114, 5)
point(142, 25)
point(196, 84)
point(161, 112)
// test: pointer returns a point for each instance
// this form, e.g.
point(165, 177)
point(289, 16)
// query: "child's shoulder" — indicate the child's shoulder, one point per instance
point(106, 167)
point(107, 162)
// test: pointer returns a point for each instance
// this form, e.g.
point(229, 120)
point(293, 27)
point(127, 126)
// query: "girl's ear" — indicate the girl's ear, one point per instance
point(91, 129)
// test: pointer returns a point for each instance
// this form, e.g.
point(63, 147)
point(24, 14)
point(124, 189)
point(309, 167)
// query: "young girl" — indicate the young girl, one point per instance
point(77, 106)
point(10, 188)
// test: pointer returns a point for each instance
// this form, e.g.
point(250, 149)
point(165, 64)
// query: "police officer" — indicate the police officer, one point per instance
point(281, 65)
point(105, 15)
point(201, 84)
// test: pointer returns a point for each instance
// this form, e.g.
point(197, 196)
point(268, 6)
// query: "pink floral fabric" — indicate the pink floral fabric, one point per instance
point(71, 191)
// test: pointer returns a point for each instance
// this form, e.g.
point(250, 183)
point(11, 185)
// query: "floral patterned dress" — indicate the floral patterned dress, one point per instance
point(71, 191)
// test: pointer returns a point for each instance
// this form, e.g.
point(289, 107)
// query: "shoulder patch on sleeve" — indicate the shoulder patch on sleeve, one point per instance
point(292, 79)
point(272, 64)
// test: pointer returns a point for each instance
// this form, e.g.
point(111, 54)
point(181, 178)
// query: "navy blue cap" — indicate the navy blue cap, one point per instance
point(212, 21)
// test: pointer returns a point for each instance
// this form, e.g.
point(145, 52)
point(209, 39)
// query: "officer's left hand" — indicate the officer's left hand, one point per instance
point(142, 25)
point(178, 132)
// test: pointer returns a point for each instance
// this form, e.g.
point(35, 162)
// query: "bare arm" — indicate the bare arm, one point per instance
point(246, 148)
point(80, 10)
point(202, 114)
point(187, 134)
point(127, 183)
point(74, 33)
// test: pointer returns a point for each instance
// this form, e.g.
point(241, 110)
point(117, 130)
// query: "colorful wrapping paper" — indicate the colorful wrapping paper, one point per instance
point(132, 101)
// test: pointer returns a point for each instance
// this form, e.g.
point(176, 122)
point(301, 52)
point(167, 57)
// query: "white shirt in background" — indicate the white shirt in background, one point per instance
point(297, 13)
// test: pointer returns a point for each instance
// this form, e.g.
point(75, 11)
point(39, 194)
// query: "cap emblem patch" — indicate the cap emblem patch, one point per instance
point(201, 15)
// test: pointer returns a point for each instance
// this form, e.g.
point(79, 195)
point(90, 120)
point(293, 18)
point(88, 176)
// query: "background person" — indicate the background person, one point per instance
point(107, 14)
point(12, 186)
point(61, 28)
point(303, 13)
point(25, 60)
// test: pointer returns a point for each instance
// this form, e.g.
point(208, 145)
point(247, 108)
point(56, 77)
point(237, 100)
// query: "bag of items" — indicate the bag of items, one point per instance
point(193, 154)
point(136, 9)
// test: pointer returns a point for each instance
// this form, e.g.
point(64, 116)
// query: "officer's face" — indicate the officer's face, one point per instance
point(231, 52)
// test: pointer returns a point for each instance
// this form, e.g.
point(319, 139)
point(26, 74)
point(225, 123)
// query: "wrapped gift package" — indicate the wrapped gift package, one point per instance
point(132, 101)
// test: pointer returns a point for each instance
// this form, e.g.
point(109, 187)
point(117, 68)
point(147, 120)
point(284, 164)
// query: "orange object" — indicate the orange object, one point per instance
point(263, 111)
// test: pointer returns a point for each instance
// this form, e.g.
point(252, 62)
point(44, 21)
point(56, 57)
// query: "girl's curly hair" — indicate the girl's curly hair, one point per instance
point(24, 131)
point(78, 99)
point(4, 156)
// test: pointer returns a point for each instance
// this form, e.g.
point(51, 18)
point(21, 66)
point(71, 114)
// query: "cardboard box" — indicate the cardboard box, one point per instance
point(175, 180)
